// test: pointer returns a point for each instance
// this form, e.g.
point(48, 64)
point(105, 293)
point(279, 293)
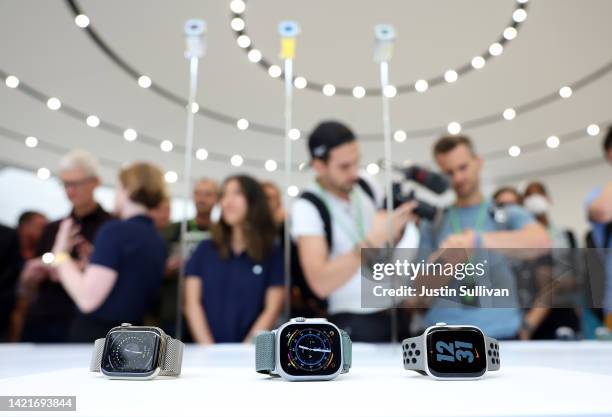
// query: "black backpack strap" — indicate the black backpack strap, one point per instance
point(316, 201)
point(571, 238)
point(367, 189)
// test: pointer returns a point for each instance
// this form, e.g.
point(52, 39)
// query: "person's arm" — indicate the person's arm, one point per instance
point(273, 305)
point(323, 275)
point(600, 210)
point(194, 312)
point(87, 289)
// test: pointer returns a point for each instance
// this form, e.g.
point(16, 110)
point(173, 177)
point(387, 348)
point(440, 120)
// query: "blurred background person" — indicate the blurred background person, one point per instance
point(275, 202)
point(161, 215)
point(234, 285)
point(30, 227)
point(51, 310)
point(126, 268)
point(10, 265)
point(470, 224)
point(553, 278)
point(506, 196)
point(599, 212)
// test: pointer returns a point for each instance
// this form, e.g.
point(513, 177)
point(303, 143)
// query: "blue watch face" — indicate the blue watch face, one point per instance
point(456, 352)
point(131, 352)
point(310, 349)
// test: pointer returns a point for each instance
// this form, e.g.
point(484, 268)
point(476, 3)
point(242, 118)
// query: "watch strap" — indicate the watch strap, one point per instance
point(492, 347)
point(173, 357)
point(96, 357)
point(264, 352)
point(347, 351)
point(414, 353)
point(170, 366)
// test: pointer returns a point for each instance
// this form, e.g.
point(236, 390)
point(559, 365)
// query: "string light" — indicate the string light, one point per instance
point(390, 91)
point(373, 168)
point(510, 33)
point(237, 24)
point(454, 128)
point(421, 86)
point(270, 165)
point(166, 146)
point(254, 55)
point(300, 82)
point(43, 173)
point(171, 177)
point(144, 81)
point(514, 151)
point(329, 90)
point(92, 121)
point(496, 49)
point(243, 41)
point(294, 134)
point(293, 191)
point(451, 76)
point(359, 92)
point(236, 160)
point(399, 136)
point(130, 134)
point(11, 81)
point(519, 15)
point(54, 103)
point(48, 258)
point(593, 130)
point(201, 154)
point(509, 114)
point(553, 142)
point(237, 6)
point(275, 71)
point(81, 21)
point(242, 124)
point(478, 62)
point(31, 142)
point(195, 107)
point(565, 92)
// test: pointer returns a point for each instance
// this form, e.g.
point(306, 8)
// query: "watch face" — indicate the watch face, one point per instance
point(310, 349)
point(456, 352)
point(131, 352)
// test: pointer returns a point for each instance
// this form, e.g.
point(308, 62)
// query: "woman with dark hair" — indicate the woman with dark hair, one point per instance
point(234, 284)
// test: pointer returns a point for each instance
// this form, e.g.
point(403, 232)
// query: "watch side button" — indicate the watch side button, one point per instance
point(299, 319)
point(125, 324)
point(440, 324)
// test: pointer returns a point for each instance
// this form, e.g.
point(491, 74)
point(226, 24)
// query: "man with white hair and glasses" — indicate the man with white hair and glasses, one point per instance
point(51, 310)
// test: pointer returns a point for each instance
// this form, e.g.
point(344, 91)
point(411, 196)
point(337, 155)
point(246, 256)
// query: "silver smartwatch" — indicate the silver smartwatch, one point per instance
point(137, 352)
point(304, 350)
point(451, 352)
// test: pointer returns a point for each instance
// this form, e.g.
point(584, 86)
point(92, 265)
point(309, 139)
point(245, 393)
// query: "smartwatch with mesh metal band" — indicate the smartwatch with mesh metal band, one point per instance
point(304, 350)
point(137, 352)
point(451, 352)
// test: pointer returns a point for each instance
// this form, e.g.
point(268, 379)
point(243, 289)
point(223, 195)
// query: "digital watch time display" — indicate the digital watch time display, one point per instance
point(304, 349)
point(137, 352)
point(451, 352)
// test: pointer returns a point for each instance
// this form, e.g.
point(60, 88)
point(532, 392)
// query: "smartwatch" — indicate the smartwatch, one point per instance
point(137, 352)
point(451, 352)
point(304, 350)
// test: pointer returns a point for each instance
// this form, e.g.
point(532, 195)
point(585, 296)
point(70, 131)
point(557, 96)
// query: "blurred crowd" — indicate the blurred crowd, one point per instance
point(72, 279)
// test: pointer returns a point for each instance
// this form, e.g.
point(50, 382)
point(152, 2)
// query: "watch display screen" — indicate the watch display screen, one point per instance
point(129, 352)
point(456, 352)
point(310, 349)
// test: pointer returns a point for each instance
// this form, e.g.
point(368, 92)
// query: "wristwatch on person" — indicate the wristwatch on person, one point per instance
point(137, 352)
point(304, 350)
point(451, 352)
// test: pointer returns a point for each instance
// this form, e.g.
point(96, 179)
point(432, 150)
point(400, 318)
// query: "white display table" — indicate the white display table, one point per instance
point(537, 379)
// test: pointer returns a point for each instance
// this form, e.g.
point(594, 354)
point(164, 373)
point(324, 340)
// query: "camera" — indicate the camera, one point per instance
point(195, 27)
point(288, 29)
point(384, 33)
point(429, 179)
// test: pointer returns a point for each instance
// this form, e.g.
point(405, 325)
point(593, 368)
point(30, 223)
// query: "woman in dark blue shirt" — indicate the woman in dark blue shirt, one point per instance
point(234, 285)
point(126, 268)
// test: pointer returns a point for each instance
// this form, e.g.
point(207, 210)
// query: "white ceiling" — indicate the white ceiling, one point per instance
point(560, 42)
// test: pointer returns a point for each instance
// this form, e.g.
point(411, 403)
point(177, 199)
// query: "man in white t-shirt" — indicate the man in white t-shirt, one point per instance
point(333, 273)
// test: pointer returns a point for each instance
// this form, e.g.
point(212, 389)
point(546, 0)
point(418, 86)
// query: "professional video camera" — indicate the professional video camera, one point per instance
point(429, 179)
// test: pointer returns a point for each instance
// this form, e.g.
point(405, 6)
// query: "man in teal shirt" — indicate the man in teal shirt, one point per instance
point(471, 224)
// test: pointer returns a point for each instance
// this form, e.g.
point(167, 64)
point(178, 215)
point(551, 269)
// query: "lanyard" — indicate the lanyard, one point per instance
point(480, 217)
point(359, 220)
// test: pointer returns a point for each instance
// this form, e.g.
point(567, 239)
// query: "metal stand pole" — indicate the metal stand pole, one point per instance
point(288, 31)
point(195, 31)
point(383, 51)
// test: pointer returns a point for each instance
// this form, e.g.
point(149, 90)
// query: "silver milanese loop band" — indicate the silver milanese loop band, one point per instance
point(265, 346)
point(171, 362)
point(414, 352)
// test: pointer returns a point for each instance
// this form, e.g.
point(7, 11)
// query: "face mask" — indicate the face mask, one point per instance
point(537, 204)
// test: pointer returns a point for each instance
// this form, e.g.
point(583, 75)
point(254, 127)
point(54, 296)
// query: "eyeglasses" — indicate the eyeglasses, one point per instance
point(77, 183)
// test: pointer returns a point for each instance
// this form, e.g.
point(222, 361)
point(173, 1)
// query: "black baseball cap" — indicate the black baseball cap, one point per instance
point(327, 136)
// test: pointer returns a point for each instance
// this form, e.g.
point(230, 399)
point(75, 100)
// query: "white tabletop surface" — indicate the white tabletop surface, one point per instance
point(536, 379)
